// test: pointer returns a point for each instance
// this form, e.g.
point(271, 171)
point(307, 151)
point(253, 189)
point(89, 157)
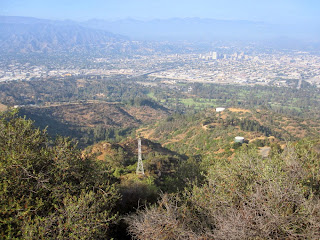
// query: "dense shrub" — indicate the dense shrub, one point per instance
point(49, 190)
point(246, 198)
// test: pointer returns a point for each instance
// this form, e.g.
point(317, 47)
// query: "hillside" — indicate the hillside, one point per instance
point(185, 145)
point(94, 118)
point(125, 153)
point(212, 134)
point(49, 189)
point(165, 170)
point(72, 89)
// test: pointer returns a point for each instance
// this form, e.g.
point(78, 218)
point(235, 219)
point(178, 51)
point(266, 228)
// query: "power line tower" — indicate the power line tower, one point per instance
point(139, 170)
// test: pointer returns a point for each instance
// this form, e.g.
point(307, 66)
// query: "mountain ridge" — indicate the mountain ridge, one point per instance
point(20, 34)
point(204, 29)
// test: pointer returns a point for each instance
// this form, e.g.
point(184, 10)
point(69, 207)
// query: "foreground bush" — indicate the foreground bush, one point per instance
point(50, 191)
point(246, 198)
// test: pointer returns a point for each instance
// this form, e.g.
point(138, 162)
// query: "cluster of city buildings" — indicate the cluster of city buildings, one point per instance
point(279, 69)
point(264, 69)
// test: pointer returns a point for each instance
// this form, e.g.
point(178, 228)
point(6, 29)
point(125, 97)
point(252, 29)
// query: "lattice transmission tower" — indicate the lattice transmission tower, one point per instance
point(140, 164)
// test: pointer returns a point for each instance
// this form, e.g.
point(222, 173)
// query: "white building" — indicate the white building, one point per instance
point(220, 109)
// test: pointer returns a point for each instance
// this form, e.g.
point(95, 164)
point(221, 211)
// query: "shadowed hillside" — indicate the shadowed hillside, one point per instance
point(99, 121)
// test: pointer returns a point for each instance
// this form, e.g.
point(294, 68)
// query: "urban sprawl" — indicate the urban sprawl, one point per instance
point(277, 69)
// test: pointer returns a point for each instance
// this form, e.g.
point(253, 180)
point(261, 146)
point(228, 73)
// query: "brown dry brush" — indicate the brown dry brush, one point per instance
point(160, 222)
point(249, 198)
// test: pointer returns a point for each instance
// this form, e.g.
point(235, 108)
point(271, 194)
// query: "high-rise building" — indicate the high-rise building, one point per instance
point(214, 55)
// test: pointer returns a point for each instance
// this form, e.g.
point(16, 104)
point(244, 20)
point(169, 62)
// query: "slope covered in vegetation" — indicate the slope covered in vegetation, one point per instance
point(91, 122)
point(211, 134)
point(200, 183)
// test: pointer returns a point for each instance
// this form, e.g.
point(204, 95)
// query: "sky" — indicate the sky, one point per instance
point(270, 11)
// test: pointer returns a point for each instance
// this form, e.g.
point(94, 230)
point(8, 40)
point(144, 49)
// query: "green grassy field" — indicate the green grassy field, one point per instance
point(200, 102)
point(151, 95)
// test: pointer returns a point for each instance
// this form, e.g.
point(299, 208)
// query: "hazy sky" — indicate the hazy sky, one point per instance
point(275, 11)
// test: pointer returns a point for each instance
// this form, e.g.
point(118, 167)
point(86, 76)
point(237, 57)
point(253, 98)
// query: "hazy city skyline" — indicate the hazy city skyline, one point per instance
point(271, 11)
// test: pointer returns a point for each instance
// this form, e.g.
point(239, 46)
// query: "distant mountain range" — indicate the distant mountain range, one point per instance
point(22, 34)
point(25, 34)
point(201, 29)
point(183, 29)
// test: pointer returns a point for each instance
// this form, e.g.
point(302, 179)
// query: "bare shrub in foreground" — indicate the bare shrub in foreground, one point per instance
point(247, 198)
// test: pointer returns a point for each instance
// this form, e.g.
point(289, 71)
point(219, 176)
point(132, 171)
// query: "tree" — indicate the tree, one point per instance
point(49, 190)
